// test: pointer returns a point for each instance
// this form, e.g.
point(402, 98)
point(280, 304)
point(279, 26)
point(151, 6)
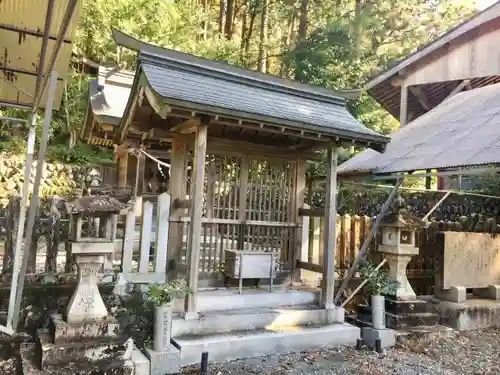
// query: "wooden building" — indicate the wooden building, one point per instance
point(108, 97)
point(247, 137)
point(464, 58)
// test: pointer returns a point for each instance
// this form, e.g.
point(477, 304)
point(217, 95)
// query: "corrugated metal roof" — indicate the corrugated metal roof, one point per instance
point(462, 131)
point(109, 94)
point(22, 23)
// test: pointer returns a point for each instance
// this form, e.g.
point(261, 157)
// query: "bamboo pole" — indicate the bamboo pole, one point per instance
point(368, 239)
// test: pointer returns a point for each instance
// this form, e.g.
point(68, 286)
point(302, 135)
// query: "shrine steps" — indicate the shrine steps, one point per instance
point(257, 323)
point(229, 299)
point(257, 343)
point(213, 322)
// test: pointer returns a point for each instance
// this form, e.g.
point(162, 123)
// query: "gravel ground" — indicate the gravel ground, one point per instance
point(474, 353)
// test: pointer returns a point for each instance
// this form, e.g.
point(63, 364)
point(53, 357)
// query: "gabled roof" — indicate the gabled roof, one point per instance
point(219, 89)
point(478, 19)
point(462, 131)
point(381, 86)
point(109, 94)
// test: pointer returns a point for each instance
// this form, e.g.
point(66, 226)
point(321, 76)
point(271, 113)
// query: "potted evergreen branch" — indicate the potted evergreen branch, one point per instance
point(379, 283)
point(161, 297)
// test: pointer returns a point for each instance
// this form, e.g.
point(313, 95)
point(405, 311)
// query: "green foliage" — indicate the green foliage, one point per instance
point(80, 154)
point(159, 295)
point(379, 282)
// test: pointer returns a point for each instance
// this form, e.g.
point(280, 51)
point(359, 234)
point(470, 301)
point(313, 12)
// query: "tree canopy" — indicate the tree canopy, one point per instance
point(333, 43)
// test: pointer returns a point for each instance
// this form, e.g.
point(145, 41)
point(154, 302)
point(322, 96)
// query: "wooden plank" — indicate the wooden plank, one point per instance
point(196, 211)
point(128, 242)
point(328, 284)
point(144, 278)
point(298, 202)
point(162, 226)
point(186, 127)
point(403, 108)
point(146, 235)
point(310, 267)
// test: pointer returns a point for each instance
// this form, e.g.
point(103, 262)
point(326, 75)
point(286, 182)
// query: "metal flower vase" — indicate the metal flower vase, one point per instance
point(378, 311)
point(162, 327)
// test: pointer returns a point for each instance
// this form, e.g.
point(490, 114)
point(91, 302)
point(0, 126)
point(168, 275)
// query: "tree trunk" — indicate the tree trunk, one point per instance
point(206, 18)
point(228, 29)
point(301, 54)
point(358, 5)
point(244, 31)
point(263, 36)
point(287, 42)
point(253, 15)
point(222, 15)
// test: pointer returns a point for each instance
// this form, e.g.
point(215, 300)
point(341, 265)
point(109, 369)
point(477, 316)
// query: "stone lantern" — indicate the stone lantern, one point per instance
point(398, 246)
point(90, 249)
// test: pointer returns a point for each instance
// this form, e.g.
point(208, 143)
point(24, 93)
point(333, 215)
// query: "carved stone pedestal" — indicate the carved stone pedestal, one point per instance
point(87, 304)
point(398, 262)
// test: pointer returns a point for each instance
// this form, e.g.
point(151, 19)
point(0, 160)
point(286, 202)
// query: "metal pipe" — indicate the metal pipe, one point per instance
point(18, 247)
point(60, 38)
point(204, 363)
point(35, 196)
point(45, 41)
point(368, 239)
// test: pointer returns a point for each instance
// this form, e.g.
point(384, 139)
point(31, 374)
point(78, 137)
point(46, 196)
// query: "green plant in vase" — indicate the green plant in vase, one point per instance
point(161, 297)
point(378, 284)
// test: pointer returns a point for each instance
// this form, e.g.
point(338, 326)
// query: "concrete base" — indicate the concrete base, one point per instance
point(256, 343)
point(165, 363)
point(386, 336)
point(65, 332)
point(77, 351)
point(491, 292)
point(468, 315)
point(454, 294)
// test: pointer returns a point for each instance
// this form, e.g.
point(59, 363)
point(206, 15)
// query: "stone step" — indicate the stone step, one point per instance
point(257, 343)
point(229, 299)
point(406, 307)
point(213, 322)
point(404, 321)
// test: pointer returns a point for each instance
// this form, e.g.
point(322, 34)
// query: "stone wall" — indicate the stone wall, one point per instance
point(57, 178)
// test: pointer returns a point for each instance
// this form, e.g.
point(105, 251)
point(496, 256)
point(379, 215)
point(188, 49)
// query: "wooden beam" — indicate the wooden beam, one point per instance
point(328, 285)
point(182, 204)
point(465, 83)
point(403, 108)
point(186, 127)
point(194, 235)
point(420, 96)
point(177, 190)
point(122, 156)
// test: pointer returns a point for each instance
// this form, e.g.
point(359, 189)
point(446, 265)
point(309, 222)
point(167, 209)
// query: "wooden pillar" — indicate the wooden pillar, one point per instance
point(328, 284)
point(195, 213)
point(299, 197)
point(122, 156)
point(177, 189)
point(139, 183)
point(403, 108)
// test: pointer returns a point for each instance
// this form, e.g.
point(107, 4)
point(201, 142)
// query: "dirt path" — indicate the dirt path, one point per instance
point(472, 353)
